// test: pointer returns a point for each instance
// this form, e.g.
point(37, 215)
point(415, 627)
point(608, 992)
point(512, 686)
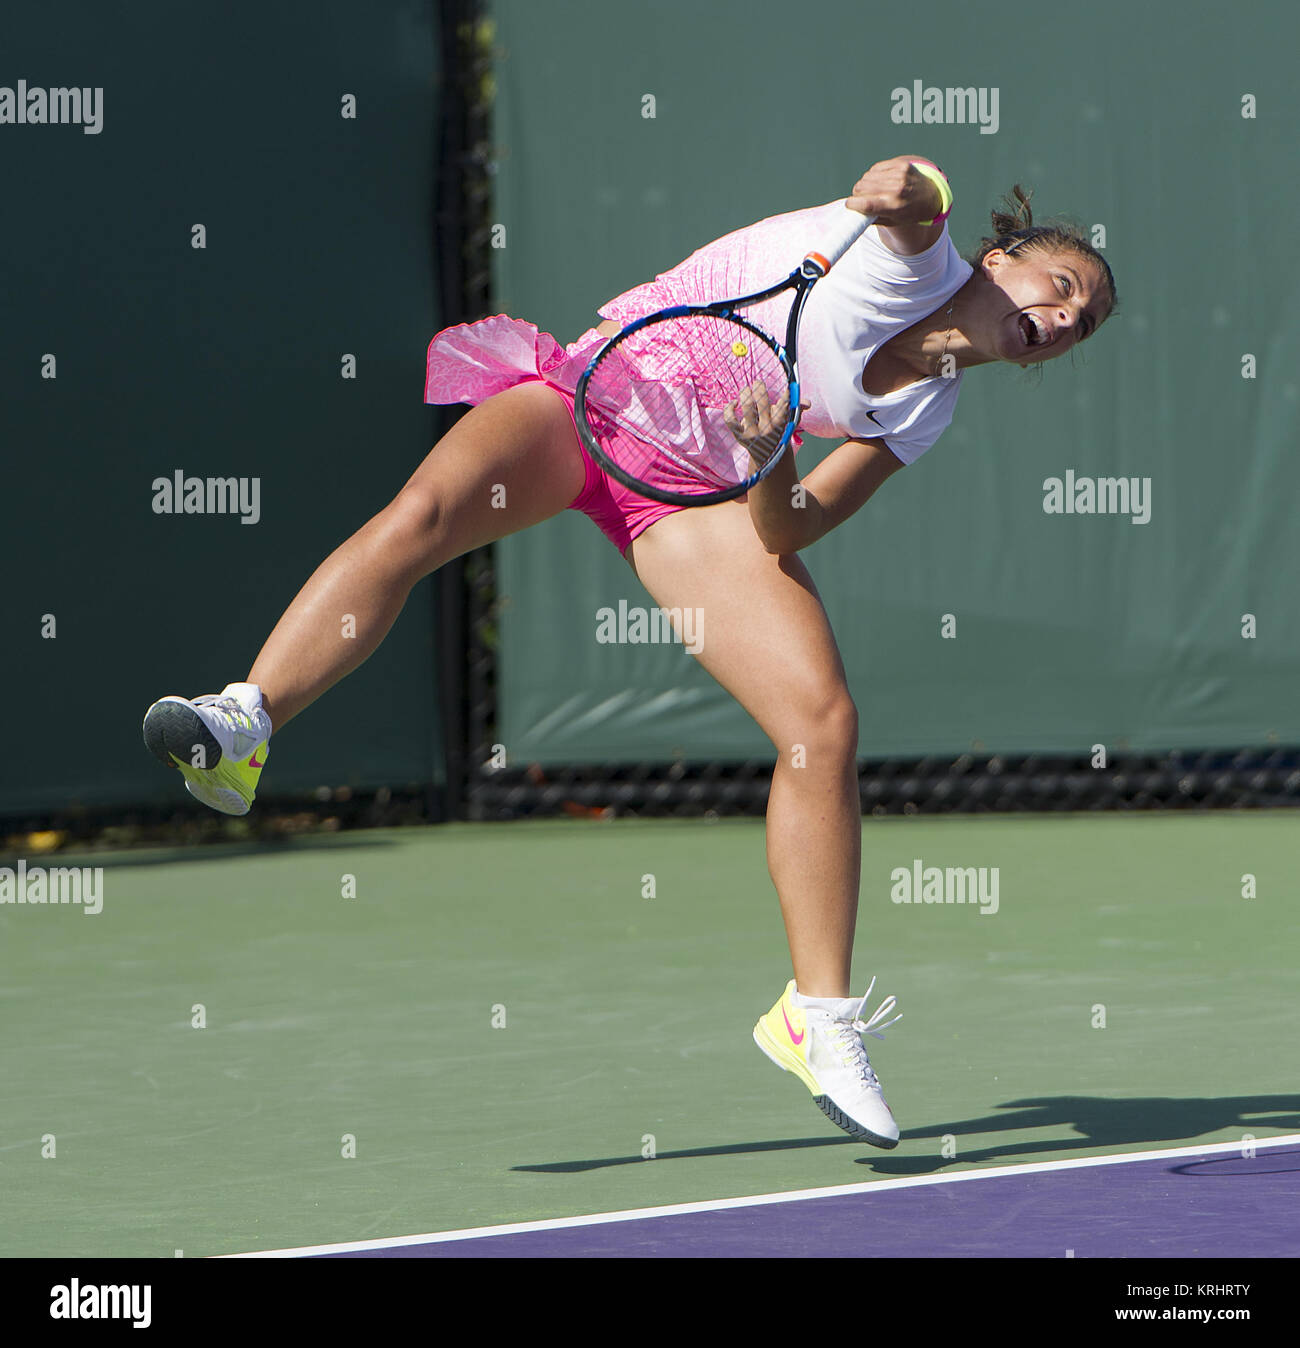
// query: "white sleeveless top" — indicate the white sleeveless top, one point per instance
point(870, 295)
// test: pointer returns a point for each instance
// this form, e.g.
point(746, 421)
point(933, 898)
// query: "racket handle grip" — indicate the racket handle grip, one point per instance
point(838, 242)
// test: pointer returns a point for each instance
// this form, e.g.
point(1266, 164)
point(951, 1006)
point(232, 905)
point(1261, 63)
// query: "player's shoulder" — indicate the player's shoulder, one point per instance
point(910, 277)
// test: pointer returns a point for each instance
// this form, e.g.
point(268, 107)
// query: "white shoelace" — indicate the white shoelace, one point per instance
point(230, 707)
point(847, 1034)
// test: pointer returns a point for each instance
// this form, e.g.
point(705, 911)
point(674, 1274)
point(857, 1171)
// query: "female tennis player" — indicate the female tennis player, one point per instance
point(885, 341)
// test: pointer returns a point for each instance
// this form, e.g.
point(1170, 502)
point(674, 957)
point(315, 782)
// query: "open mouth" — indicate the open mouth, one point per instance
point(1033, 330)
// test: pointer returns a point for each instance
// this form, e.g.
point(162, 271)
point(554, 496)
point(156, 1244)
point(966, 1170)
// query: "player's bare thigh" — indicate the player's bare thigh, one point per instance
point(511, 462)
point(760, 623)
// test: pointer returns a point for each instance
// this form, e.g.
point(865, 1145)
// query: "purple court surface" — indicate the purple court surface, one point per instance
point(1228, 1200)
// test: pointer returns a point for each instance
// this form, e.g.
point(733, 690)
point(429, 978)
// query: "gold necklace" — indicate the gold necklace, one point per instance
point(948, 338)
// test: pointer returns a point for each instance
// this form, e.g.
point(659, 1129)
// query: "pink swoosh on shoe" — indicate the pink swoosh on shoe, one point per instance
point(794, 1038)
point(252, 759)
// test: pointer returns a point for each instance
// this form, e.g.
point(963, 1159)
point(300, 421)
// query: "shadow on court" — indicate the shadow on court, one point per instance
point(1094, 1123)
point(216, 851)
point(690, 1153)
point(1230, 1167)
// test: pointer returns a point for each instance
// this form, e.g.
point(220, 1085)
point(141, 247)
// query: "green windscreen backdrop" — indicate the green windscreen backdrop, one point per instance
point(223, 270)
point(629, 135)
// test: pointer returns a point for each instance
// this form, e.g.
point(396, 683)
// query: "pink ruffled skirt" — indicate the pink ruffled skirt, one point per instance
point(473, 361)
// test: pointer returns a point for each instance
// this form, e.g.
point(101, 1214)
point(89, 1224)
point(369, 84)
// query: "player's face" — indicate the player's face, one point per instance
point(1043, 304)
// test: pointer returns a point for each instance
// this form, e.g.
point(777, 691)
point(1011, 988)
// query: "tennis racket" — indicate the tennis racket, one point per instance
point(673, 405)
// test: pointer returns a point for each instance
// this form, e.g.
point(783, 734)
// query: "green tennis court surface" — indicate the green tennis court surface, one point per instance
point(508, 1027)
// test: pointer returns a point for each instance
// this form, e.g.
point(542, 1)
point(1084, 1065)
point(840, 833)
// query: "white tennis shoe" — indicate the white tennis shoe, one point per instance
point(822, 1045)
point(217, 741)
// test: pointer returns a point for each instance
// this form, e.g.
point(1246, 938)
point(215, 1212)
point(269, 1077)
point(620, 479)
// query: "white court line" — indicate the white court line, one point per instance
point(792, 1196)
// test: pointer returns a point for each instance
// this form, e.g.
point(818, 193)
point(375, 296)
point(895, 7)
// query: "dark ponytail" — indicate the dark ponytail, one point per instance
point(1015, 233)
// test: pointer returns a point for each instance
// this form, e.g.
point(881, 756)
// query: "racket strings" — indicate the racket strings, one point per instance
point(673, 385)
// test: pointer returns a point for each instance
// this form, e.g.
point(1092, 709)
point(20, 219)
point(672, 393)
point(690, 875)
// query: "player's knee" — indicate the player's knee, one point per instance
point(415, 530)
point(826, 730)
point(838, 717)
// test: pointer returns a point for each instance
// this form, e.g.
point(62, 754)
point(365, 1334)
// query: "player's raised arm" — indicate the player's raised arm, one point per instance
point(909, 199)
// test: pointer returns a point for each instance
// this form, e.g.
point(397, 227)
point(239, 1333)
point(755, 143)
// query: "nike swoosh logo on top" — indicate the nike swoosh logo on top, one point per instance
point(794, 1038)
point(875, 418)
point(252, 760)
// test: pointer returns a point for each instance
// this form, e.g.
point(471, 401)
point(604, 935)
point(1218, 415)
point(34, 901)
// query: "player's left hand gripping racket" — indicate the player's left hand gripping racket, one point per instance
point(674, 405)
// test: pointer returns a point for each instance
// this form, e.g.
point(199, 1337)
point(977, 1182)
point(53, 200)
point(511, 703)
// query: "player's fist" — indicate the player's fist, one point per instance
point(896, 193)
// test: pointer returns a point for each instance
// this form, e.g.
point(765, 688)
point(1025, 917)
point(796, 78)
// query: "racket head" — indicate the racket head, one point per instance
point(652, 405)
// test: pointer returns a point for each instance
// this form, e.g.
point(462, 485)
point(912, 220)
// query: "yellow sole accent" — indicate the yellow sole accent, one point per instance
point(784, 1056)
point(219, 788)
